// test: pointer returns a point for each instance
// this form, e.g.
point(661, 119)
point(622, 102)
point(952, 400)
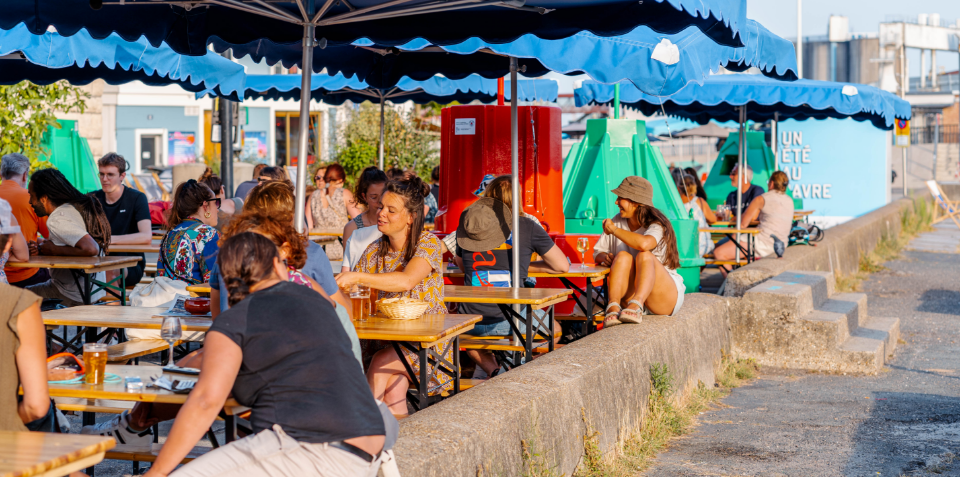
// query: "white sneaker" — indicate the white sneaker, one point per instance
point(119, 429)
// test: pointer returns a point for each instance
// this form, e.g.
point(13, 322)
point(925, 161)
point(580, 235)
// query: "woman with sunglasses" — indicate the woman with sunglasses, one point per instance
point(332, 206)
point(189, 248)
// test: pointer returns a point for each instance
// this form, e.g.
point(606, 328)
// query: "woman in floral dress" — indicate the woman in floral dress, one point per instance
point(332, 206)
point(189, 248)
point(405, 262)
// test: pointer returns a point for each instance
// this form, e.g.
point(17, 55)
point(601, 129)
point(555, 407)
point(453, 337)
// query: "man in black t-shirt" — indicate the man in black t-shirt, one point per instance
point(127, 211)
point(484, 242)
point(748, 191)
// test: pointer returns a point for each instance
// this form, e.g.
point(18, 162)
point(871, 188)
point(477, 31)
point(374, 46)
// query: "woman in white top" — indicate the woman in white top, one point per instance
point(774, 209)
point(697, 207)
point(640, 248)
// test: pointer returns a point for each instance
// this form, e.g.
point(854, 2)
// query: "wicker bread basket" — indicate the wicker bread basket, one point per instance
point(401, 308)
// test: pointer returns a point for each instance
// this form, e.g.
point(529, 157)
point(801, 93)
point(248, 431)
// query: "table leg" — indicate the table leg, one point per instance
point(229, 428)
point(531, 334)
point(123, 287)
point(424, 390)
point(590, 304)
point(551, 324)
point(456, 364)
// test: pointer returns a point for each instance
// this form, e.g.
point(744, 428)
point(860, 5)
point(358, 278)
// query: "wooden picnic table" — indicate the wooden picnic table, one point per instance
point(152, 248)
point(531, 298)
point(749, 253)
point(84, 269)
point(29, 454)
point(326, 232)
point(117, 391)
point(577, 270)
point(418, 335)
point(797, 215)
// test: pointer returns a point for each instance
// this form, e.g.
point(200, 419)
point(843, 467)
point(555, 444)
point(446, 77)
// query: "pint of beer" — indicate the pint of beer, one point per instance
point(360, 300)
point(95, 360)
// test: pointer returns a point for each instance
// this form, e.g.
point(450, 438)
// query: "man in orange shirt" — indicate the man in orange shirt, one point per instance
point(14, 170)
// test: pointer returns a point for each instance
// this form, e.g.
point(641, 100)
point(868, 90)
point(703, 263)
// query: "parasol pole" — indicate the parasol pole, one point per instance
point(306, 71)
point(773, 140)
point(515, 183)
point(741, 151)
point(616, 101)
point(500, 91)
point(382, 100)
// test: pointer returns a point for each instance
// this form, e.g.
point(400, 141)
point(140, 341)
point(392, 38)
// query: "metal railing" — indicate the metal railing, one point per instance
point(926, 134)
point(692, 146)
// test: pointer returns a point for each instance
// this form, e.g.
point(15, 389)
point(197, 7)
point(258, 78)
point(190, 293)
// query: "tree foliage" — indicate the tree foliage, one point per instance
point(28, 110)
point(407, 144)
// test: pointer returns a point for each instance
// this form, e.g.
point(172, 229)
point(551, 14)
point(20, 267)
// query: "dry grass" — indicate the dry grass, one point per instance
point(914, 221)
point(664, 419)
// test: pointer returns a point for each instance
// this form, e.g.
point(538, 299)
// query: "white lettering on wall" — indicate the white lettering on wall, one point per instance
point(793, 151)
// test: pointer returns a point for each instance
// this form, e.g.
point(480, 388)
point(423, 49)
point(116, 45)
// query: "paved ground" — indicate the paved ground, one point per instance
point(905, 421)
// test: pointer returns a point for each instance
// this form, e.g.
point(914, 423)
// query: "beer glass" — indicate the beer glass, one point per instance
point(95, 361)
point(360, 300)
point(171, 331)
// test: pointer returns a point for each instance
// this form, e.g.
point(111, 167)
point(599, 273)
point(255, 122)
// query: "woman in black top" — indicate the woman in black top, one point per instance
point(282, 352)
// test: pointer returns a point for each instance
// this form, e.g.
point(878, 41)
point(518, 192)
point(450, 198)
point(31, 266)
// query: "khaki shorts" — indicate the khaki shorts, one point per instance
point(272, 453)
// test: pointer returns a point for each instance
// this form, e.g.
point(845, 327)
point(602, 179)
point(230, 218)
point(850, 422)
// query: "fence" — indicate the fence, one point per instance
point(687, 146)
point(925, 135)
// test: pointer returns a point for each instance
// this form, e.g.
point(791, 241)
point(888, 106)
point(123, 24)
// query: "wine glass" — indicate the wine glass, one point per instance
point(171, 331)
point(582, 245)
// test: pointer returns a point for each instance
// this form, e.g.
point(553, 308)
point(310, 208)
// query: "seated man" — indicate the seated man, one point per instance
point(748, 191)
point(78, 228)
point(126, 210)
point(483, 244)
point(14, 170)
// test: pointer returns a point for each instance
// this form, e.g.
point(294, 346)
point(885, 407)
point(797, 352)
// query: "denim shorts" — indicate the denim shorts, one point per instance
point(502, 328)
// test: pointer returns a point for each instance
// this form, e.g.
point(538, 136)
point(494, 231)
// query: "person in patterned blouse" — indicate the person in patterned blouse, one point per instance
point(405, 262)
point(189, 248)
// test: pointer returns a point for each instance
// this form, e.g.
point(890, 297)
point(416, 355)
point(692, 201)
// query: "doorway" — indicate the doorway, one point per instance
point(150, 151)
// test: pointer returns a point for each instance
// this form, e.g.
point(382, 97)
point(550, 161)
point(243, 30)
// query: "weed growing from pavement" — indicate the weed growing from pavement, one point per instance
point(534, 462)
point(913, 221)
point(664, 419)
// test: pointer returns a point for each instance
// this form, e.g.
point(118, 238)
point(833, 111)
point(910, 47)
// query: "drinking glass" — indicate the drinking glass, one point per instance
point(95, 362)
point(582, 245)
point(360, 299)
point(171, 331)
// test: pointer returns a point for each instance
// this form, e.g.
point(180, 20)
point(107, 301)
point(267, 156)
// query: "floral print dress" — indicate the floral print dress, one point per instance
point(429, 290)
point(188, 252)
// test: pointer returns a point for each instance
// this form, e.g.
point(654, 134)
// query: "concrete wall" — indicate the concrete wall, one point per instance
point(839, 252)
point(600, 382)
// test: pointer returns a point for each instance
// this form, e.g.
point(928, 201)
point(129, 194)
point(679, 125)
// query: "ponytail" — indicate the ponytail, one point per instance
point(245, 260)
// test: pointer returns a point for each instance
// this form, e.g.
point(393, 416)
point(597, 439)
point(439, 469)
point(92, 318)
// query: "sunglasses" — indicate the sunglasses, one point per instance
point(215, 199)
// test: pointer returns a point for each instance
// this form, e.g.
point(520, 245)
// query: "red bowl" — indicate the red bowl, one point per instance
point(197, 305)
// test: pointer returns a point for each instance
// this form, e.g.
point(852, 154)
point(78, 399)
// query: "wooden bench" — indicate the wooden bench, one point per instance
point(150, 270)
point(596, 318)
point(141, 454)
point(493, 343)
point(136, 348)
point(711, 261)
point(469, 383)
point(106, 406)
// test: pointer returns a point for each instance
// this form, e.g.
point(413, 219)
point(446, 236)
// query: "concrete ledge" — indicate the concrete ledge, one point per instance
point(838, 252)
point(601, 381)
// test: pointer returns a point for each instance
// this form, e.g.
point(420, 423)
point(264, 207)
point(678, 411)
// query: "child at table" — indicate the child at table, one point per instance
point(640, 248)
point(78, 228)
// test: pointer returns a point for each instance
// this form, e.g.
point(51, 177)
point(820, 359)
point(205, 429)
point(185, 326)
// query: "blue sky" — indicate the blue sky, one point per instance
point(780, 16)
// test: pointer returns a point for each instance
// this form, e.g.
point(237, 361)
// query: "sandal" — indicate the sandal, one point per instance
point(611, 317)
point(628, 315)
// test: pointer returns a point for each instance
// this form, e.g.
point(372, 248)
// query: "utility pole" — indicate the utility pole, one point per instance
point(800, 39)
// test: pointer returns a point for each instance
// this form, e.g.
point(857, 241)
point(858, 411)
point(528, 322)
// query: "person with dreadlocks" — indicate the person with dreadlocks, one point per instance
point(78, 228)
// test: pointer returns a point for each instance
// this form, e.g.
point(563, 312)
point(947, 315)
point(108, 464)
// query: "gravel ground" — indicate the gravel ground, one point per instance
point(904, 421)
